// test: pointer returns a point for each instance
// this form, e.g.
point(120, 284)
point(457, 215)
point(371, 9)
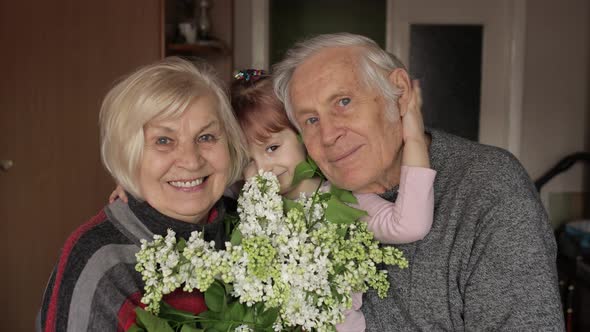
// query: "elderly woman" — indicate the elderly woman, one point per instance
point(169, 138)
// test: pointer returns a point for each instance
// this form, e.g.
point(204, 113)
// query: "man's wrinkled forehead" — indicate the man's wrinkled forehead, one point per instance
point(330, 69)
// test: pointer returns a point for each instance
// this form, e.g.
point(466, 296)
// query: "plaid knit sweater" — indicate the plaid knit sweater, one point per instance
point(94, 286)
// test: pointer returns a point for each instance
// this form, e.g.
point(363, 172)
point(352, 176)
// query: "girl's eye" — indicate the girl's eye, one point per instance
point(206, 138)
point(343, 102)
point(312, 120)
point(272, 148)
point(163, 140)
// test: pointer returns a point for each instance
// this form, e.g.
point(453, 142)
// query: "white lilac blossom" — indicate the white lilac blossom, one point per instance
point(296, 260)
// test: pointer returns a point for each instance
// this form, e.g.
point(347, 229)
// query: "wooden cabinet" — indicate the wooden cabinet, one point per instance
point(217, 49)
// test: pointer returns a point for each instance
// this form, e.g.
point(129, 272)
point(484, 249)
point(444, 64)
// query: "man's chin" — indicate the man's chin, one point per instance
point(355, 182)
point(347, 184)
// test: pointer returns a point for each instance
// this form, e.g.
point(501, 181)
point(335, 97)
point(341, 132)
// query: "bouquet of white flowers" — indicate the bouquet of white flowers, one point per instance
point(290, 265)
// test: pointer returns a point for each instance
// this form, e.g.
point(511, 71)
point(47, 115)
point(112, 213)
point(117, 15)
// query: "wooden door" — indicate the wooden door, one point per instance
point(57, 59)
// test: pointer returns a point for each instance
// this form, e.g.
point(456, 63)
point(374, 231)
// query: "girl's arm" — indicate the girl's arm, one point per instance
point(354, 320)
point(415, 149)
point(409, 219)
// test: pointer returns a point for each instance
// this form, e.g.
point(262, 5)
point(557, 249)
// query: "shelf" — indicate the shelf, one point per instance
point(209, 47)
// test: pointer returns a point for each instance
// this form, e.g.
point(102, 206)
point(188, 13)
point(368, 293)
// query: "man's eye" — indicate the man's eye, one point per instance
point(272, 148)
point(312, 120)
point(343, 102)
point(163, 140)
point(207, 138)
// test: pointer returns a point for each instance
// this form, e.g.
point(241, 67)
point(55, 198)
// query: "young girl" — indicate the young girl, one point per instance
point(274, 146)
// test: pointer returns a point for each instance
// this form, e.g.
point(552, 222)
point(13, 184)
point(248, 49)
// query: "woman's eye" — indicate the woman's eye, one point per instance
point(207, 138)
point(272, 148)
point(163, 140)
point(343, 102)
point(312, 120)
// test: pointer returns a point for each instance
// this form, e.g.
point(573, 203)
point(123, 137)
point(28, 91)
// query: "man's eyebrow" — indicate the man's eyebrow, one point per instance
point(336, 94)
point(303, 112)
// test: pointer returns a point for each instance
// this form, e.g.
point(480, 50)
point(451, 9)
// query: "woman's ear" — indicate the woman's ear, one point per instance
point(400, 79)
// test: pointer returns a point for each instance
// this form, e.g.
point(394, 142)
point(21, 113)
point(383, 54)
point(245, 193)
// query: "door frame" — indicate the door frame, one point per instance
point(500, 124)
point(501, 111)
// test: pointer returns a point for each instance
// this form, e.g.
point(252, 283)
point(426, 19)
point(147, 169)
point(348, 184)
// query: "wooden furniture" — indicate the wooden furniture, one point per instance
point(216, 51)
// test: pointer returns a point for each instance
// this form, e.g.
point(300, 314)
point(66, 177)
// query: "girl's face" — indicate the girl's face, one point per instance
point(280, 154)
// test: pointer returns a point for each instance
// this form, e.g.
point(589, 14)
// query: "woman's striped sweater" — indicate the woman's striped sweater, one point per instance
point(94, 286)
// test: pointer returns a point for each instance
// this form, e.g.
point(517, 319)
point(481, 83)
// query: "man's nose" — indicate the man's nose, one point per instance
point(330, 130)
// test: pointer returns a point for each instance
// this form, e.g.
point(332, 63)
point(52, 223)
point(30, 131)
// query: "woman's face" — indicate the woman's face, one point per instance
point(186, 162)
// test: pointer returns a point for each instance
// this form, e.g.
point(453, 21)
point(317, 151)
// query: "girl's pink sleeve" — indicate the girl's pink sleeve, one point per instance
point(354, 320)
point(408, 219)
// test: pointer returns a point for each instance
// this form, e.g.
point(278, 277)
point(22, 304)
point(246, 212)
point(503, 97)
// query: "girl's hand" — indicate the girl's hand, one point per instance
point(412, 122)
point(415, 151)
point(119, 192)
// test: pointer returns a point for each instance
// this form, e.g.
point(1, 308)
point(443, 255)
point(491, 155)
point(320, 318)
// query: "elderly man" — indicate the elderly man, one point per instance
point(489, 261)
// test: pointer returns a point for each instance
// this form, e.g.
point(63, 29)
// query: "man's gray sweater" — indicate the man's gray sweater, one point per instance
point(489, 261)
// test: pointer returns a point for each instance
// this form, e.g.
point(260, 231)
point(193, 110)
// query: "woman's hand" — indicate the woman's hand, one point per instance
point(119, 192)
point(415, 151)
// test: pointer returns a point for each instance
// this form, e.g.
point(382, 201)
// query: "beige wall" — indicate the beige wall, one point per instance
point(556, 109)
point(243, 35)
point(555, 118)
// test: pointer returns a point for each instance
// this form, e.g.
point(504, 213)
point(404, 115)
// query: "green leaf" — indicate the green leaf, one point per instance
point(188, 328)
point(230, 221)
point(152, 323)
point(268, 317)
point(236, 311)
point(228, 288)
point(340, 213)
point(300, 139)
point(289, 204)
point(343, 195)
point(303, 171)
point(342, 231)
point(258, 308)
point(338, 269)
point(135, 328)
point(236, 237)
point(312, 164)
point(222, 325)
point(181, 245)
point(172, 314)
point(209, 316)
point(211, 320)
point(248, 314)
point(215, 297)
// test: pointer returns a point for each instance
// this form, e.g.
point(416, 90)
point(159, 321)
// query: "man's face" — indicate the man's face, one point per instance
point(344, 124)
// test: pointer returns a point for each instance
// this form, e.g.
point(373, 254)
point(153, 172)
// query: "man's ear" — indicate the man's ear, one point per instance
point(400, 79)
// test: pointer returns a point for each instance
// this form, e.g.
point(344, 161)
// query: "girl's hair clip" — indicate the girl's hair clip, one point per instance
point(250, 75)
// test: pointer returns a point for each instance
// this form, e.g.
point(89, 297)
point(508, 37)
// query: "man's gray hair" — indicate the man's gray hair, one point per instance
point(375, 66)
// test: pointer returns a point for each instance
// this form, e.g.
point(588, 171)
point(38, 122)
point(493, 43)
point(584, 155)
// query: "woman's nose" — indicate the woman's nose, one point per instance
point(189, 156)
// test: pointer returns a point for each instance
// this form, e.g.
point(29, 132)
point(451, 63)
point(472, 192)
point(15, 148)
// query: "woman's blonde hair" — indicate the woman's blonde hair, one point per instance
point(164, 89)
